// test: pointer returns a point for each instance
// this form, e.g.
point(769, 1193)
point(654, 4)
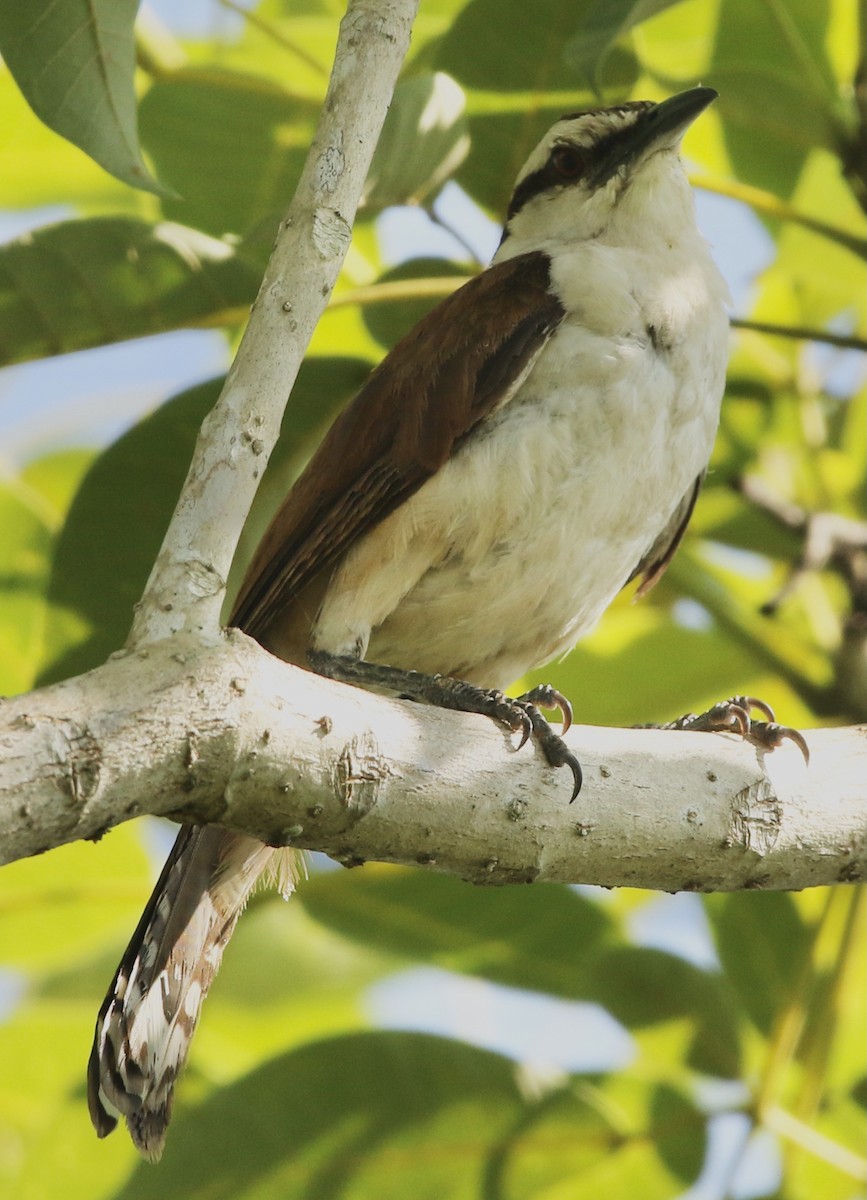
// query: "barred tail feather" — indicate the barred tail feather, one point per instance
point(147, 1020)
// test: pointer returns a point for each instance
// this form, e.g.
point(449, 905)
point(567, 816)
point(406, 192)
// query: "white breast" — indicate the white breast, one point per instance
point(514, 549)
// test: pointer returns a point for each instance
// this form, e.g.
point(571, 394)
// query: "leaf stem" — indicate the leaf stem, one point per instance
point(816, 1050)
point(789, 1024)
point(271, 31)
point(812, 998)
point(434, 287)
point(786, 1126)
point(434, 217)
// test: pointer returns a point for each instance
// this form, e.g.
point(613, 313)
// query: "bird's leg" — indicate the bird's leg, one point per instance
point(520, 715)
point(735, 716)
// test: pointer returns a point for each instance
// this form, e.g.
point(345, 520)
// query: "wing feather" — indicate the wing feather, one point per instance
point(449, 373)
point(653, 564)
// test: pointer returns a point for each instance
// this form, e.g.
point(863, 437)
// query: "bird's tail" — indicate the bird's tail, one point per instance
point(149, 1015)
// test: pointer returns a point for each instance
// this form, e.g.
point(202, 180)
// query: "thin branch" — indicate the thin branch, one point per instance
point(772, 206)
point(433, 287)
point(789, 1127)
point(828, 539)
point(270, 30)
point(802, 333)
point(226, 733)
point(186, 587)
point(436, 219)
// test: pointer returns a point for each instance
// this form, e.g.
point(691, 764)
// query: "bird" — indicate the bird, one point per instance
point(534, 443)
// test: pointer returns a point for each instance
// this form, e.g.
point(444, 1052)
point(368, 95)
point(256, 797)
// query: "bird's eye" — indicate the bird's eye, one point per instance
point(567, 161)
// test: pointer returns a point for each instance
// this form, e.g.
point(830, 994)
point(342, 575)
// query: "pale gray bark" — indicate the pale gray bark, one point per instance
point(224, 732)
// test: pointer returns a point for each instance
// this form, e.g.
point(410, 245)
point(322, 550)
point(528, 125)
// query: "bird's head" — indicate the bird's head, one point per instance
point(609, 172)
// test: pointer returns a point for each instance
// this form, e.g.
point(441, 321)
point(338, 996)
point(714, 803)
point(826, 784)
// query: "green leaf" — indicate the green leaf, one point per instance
point(370, 1116)
point(55, 910)
point(423, 142)
point(231, 145)
point(644, 987)
point(675, 47)
point(74, 61)
point(25, 546)
point(603, 23)
point(832, 1175)
point(44, 1130)
point(589, 1140)
point(813, 280)
point(86, 283)
point(114, 530)
point(55, 478)
point(391, 320)
point(641, 986)
point(762, 941)
point(546, 938)
point(679, 1133)
point(777, 93)
point(526, 937)
point(32, 507)
point(38, 168)
point(494, 45)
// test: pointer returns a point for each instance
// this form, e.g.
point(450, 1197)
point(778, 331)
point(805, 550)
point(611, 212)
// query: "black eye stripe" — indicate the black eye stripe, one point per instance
point(543, 180)
point(547, 177)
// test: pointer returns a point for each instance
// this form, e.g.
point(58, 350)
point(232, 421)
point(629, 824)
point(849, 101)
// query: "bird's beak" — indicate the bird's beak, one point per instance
point(658, 127)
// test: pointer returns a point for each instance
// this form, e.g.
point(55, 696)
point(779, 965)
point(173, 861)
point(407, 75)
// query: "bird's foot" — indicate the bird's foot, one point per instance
point(735, 716)
point(552, 745)
point(521, 715)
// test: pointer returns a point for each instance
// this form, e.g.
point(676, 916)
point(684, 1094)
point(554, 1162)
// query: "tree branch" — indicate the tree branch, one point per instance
point(804, 333)
point(186, 587)
point(226, 733)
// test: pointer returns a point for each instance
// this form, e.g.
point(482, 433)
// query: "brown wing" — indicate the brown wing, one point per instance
point(436, 385)
point(653, 564)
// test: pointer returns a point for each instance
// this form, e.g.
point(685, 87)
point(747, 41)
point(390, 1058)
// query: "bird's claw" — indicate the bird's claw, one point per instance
point(525, 715)
point(735, 716)
point(546, 696)
point(526, 728)
point(769, 735)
